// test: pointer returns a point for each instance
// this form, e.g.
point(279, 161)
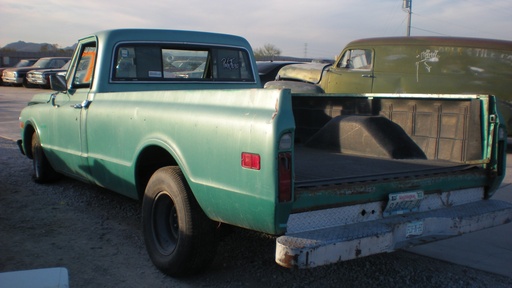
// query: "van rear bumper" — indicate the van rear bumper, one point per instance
point(324, 246)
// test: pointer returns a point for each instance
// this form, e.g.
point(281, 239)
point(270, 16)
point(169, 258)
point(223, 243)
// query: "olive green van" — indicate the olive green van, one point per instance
point(433, 65)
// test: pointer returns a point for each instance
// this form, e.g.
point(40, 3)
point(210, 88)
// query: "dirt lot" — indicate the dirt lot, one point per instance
point(97, 236)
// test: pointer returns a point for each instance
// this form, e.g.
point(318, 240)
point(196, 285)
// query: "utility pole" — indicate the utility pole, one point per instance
point(407, 7)
point(305, 50)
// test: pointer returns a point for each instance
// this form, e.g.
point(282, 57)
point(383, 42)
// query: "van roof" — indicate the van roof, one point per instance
point(438, 41)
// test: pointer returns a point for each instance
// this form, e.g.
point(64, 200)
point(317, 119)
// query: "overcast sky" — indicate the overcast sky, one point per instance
point(312, 28)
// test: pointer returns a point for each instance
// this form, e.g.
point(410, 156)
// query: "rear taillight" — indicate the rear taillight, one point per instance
point(285, 176)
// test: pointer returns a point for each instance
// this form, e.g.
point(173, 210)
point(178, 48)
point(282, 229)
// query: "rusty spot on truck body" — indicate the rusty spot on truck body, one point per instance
point(288, 260)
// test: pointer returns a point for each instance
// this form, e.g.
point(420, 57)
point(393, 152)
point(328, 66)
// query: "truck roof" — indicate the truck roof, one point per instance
point(162, 35)
point(435, 40)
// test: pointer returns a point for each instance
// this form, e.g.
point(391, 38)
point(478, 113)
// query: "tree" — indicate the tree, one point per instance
point(45, 47)
point(49, 47)
point(268, 50)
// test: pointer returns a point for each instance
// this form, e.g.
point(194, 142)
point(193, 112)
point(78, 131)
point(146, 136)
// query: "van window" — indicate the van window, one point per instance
point(356, 59)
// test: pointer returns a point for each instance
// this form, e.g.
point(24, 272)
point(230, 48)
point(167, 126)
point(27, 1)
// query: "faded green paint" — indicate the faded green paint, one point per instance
point(205, 131)
point(203, 127)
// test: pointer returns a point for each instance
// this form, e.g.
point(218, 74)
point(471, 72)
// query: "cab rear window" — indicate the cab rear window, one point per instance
point(164, 63)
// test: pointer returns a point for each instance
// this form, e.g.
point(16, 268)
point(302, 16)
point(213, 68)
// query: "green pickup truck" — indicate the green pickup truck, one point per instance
point(179, 121)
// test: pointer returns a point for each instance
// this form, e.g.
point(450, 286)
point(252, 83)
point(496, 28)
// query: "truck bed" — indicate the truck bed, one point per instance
point(315, 167)
point(342, 138)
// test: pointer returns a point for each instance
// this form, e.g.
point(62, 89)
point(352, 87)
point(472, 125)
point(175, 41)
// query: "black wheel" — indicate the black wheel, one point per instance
point(43, 171)
point(180, 239)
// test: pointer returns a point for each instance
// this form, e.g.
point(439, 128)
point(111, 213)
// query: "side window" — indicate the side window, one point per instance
point(168, 62)
point(356, 59)
point(85, 67)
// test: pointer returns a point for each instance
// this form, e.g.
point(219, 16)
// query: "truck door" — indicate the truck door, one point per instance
point(352, 73)
point(70, 111)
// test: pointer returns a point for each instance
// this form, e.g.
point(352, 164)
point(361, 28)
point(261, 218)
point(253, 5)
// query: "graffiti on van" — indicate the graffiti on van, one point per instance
point(426, 57)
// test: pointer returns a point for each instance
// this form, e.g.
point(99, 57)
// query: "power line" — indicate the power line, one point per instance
point(485, 6)
point(452, 24)
point(491, 6)
point(429, 31)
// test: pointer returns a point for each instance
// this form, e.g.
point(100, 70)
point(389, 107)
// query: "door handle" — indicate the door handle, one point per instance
point(368, 76)
point(84, 104)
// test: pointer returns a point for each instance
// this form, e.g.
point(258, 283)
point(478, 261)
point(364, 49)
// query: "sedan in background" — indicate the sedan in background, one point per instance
point(41, 78)
point(21, 63)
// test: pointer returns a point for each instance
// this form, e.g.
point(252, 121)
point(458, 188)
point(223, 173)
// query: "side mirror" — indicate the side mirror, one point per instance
point(58, 83)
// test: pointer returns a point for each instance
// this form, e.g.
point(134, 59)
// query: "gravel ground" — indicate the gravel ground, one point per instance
point(97, 236)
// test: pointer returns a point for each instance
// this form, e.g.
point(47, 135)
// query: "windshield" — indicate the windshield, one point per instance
point(24, 63)
point(42, 63)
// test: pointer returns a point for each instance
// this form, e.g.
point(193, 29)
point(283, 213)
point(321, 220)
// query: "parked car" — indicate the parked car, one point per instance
point(17, 76)
point(41, 78)
point(21, 63)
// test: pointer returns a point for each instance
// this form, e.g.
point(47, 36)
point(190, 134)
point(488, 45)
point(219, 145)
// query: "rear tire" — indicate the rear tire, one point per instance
point(180, 239)
point(43, 171)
